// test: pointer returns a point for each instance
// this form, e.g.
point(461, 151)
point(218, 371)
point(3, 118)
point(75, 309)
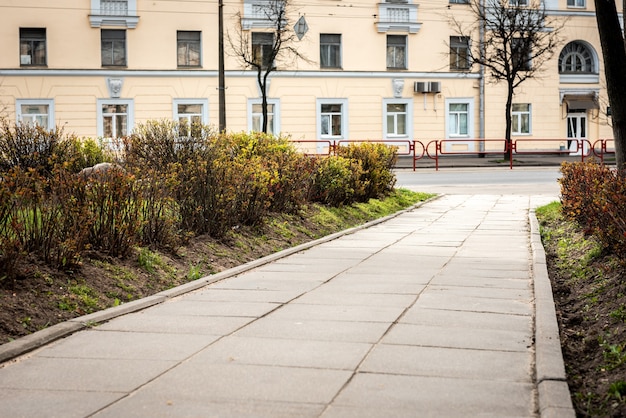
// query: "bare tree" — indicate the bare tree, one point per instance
point(518, 38)
point(273, 46)
point(614, 54)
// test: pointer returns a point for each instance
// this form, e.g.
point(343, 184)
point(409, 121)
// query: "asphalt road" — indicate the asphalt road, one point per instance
point(483, 180)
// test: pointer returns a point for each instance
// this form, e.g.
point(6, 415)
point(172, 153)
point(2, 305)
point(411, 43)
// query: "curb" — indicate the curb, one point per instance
point(553, 393)
point(23, 345)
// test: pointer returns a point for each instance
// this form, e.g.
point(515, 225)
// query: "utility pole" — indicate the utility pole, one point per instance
point(222, 87)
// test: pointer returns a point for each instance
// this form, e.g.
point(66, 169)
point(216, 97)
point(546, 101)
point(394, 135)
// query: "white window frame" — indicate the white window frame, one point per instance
point(275, 103)
point(344, 118)
point(518, 114)
point(409, 119)
point(97, 19)
point(577, 4)
point(130, 111)
point(36, 102)
point(204, 113)
point(470, 117)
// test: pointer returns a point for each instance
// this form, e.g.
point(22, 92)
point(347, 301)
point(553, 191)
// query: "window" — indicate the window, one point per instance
point(115, 118)
point(36, 112)
point(459, 53)
point(262, 48)
point(520, 118)
point(113, 47)
point(576, 3)
point(459, 1)
point(521, 54)
point(330, 51)
point(188, 48)
point(255, 118)
point(458, 119)
point(396, 51)
point(332, 118)
point(193, 113)
point(518, 2)
point(576, 57)
point(396, 116)
point(32, 46)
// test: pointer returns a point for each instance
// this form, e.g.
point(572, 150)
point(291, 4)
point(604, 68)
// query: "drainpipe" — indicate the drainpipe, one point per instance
point(221, 82)
point(481, 84)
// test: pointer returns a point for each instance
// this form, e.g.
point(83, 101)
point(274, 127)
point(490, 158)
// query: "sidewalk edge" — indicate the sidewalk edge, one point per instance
point(552, 389)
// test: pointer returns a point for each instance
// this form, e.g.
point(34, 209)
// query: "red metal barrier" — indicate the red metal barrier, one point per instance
point(604, 149)
point(442, 147)
point(439, 146)
point(583, 147)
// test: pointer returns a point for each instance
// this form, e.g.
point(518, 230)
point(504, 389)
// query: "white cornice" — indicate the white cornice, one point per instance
point(214, 73)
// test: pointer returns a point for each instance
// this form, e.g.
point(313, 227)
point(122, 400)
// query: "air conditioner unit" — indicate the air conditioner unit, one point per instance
point(434, 86)
point(421, 87)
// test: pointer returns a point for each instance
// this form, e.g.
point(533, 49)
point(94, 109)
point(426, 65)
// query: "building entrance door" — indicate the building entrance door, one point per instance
point(577, 132)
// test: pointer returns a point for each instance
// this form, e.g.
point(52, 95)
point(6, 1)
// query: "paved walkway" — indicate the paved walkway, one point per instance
point(430, 313)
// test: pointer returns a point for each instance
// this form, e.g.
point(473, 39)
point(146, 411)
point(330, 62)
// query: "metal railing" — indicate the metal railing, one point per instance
point(441, 148)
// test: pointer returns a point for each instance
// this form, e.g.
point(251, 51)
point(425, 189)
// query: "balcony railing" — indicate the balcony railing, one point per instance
point(397, 14)
point(114, 8)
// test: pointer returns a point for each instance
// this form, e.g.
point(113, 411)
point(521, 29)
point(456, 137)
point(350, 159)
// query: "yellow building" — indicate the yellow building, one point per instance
point(375, 70)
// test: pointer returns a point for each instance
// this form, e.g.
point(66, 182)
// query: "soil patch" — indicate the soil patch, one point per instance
point(589, 288)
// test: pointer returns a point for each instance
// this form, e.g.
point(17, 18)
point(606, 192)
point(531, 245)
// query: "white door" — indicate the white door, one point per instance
point(577, 133)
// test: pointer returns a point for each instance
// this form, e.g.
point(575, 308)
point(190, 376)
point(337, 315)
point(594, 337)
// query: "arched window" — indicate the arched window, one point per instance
point(577, 57)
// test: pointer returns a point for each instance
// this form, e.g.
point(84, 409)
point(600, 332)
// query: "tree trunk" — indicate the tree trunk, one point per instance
point(614, 54)
point(507, 134)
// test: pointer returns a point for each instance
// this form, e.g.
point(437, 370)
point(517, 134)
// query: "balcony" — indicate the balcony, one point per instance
point(398, 17)
point(114, 13)
point(260, 13)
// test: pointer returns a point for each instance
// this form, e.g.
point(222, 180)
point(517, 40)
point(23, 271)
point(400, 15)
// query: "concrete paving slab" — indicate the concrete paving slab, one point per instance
point(354, 313)
point(461, 337)
point(329, 296)
point(491, 365)
point(420, 276)
point(422, 396)
point(482, 292)
point(474, 304)
point(209, 382)
point(141, 406)
point(58, 404)
point(344, 331)
point(375, 287)
point(475, 280)
point(190, 307)
point(184, 324)
point(211, 293)
point(469, 320)
point(100, 344)
point(286, 352)
point(76, 374)
point(280, 281)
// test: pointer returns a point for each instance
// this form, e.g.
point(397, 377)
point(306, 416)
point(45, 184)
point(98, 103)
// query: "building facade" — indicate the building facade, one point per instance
point(392, 70)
